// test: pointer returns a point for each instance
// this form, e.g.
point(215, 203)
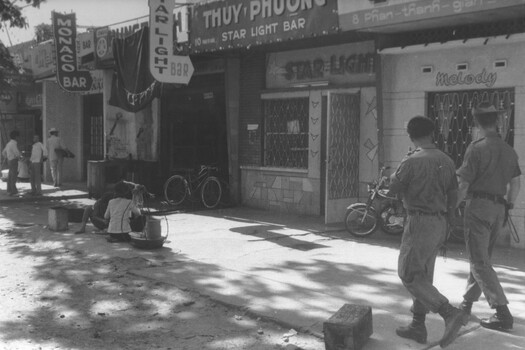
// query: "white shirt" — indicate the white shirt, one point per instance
point(54, 142)
point(11, 150)
point(38, 152)
point(119, 212)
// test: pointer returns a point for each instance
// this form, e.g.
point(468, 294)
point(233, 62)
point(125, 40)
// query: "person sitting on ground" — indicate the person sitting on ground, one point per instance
point(119, 213)
point(95, 213)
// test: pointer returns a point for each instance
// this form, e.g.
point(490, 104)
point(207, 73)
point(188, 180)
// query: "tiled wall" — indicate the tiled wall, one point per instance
point(279, 191)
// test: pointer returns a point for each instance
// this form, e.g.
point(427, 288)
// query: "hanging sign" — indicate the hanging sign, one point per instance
point(69, 77)
point(164, 65)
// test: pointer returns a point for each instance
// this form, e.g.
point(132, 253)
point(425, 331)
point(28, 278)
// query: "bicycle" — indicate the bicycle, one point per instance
point(178, 187)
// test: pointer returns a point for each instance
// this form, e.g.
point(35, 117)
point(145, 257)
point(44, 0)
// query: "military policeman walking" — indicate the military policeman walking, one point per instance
point(489, 166)
point(427, 181)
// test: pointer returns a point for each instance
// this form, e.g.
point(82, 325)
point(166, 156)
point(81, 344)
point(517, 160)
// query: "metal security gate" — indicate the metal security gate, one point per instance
point(452, 113)
point(342, 170)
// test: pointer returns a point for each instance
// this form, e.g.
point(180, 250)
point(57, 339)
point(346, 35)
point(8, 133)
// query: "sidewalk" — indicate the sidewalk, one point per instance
point(67, 191)
point(297, 271)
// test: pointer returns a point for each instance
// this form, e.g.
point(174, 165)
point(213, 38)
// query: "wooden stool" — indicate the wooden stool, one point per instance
point(349, 328)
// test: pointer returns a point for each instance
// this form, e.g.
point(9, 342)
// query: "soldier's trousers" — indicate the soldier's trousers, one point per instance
point(422, 238)
point(483, 222)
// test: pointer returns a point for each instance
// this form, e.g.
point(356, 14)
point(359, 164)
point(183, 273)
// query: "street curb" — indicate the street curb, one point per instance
point(26, 199)
point(245, 309)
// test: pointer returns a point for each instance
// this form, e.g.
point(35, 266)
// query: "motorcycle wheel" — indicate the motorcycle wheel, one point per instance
point(391, 221)
point(360, 221)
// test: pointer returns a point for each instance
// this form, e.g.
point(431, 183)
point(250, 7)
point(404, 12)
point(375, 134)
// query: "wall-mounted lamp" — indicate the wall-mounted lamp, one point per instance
point(462, 66)
point(427, 69)
point(500, 64)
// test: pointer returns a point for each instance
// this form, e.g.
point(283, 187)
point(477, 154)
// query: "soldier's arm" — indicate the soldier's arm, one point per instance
point(462, 190)
point(513, 190)
point(399, 179)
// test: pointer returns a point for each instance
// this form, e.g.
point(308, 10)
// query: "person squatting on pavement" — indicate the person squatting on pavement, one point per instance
point(56, 159)
point(38, 156)
point(427, 182)
point(119, 212)
point(12, 154)
point(95, 213)
point(489, 172)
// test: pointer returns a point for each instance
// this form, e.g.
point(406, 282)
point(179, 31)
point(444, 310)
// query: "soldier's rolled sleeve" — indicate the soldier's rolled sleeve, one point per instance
point(400, 179)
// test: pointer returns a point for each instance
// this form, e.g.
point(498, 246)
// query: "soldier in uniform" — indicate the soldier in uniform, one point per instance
point(427, 182)
point(489, 166)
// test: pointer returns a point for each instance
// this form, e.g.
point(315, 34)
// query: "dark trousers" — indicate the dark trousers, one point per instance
point(12, 176)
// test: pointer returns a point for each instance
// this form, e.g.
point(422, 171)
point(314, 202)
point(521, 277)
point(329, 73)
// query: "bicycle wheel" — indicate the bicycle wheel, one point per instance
point(175, 190)
point(211, 192)
point(360, 220)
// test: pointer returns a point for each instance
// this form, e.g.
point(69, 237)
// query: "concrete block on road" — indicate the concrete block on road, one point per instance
point(349, 328)
point(57, 219)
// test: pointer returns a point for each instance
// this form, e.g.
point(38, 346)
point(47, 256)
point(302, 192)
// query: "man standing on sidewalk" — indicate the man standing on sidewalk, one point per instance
point(38, 156)
point(12, 154)
point(55, 145)
point(490, 165)
point(427, 182)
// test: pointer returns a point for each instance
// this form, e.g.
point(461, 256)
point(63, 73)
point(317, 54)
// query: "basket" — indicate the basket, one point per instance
point(146, 243)
point(150, 237)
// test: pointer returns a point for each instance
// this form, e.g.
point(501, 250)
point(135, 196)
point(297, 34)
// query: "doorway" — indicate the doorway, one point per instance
point(452, 114)
point(93, 136)
point(194, 125)
point(342, 154)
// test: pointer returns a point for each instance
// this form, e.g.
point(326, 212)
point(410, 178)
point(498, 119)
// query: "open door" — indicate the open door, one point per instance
point(342, 154)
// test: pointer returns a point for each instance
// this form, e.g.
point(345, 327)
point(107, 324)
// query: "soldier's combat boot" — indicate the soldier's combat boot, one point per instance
point(466, 307)
point(416, 330)
point(453, 321)
point(502, 320)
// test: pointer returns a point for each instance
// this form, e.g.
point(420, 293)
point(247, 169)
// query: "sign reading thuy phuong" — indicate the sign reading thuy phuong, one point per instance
point(164, 65)
point(226, 24)
point(69, 77)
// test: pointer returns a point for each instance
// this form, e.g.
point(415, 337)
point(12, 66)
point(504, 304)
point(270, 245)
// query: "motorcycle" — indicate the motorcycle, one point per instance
point(362, 219)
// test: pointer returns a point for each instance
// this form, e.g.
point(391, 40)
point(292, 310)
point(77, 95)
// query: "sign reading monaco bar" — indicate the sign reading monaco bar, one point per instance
point(69, 77)
point(357, 14)
point(164, 66)
point(227, 24)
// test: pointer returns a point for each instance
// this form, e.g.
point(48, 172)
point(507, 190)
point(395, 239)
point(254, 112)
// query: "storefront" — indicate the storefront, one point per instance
point(316, 131)
point(444, 81)
point(439, 59)
point(306, 106)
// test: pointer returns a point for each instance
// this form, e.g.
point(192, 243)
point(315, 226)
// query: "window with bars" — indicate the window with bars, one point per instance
point(455, 128)
point(286, 132)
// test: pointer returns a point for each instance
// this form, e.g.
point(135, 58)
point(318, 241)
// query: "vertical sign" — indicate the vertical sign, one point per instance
point(68, 76)
point(164, 66)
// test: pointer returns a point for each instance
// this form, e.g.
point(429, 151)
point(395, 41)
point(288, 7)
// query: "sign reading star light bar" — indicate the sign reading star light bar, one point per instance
point(164, 65)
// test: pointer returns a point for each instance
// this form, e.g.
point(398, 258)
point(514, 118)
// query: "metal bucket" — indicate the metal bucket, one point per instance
point(153, 228)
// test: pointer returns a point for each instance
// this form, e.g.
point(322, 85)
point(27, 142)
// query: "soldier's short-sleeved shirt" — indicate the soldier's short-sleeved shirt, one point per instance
point(424, 179)
point(489, 165)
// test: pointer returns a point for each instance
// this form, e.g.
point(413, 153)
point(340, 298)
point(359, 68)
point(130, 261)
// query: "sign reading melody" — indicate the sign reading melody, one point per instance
point(164, 65)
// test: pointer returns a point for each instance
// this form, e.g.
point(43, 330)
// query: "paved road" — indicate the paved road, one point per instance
point(299, 272)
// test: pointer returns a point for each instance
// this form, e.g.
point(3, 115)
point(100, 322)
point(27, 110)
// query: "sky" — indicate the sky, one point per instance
point(96, 13)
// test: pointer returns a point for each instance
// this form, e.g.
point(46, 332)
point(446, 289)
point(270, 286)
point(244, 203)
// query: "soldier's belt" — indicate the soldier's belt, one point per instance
point(491, 197)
